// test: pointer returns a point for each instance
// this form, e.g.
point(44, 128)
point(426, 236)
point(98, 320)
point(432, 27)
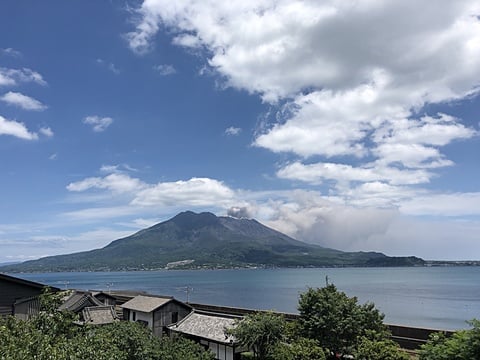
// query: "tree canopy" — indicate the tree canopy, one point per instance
point(330, 323)
point(462, 345)
point(337, 321)
point(261, 332)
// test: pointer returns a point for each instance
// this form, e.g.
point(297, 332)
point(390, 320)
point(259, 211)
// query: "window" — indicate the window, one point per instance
point(174, 316)
point(134, 316)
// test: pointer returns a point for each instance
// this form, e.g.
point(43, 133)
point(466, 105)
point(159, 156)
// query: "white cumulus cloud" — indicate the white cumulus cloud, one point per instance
point(233, 131)
point(13, 77)
point(98, 123)
point(193, 192)
point(23, 101)
point(46, 131)
point(349, 77)
point(116, 182)
point(16, 129)
point(165, 69)
point(132, 195)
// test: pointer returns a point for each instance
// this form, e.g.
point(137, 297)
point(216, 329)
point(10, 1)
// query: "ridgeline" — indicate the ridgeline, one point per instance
point(194, 241)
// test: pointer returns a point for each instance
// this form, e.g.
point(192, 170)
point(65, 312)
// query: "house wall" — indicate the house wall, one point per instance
point(106, 300)
point(28, 308)
point(138, 316)
point(220, 351)
point(165, 316)
point(11, 291)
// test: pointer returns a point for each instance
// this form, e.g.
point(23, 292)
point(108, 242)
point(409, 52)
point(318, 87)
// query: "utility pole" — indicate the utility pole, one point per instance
point(109, 285)
point(187, 292)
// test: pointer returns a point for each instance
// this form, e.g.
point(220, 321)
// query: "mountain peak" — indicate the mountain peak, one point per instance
point(189, 220)
point(205, 240)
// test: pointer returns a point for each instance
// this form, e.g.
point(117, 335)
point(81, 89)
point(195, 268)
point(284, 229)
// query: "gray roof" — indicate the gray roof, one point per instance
point(29, 283)
point(146, 303)
point(99, 315)
point(209, 326)
point(78, 300)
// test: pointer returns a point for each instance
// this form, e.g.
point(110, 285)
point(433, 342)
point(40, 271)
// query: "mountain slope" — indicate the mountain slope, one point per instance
point(206, 240)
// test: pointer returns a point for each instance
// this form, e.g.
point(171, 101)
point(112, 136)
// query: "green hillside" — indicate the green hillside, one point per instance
point(207, 241)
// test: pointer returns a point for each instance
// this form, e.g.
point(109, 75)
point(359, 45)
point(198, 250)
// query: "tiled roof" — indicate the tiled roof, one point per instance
point(98, 315)
point(79, 300)
point(146, 303)
point(208, 326)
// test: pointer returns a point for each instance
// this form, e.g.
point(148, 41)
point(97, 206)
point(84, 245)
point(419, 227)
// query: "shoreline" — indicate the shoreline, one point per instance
point(428, 264)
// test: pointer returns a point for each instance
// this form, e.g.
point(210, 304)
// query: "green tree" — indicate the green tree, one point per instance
point(462, 345)
point(337, 321)
point(260, 332)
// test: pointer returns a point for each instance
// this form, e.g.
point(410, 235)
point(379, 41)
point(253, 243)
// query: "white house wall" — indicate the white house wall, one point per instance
point(142, 316)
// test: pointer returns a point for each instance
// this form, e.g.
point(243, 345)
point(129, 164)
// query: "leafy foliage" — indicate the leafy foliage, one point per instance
point(261, 332)
point(385, 349)
point(300, 349)
point(330, 323)
point(336, 321)
point(462, 345)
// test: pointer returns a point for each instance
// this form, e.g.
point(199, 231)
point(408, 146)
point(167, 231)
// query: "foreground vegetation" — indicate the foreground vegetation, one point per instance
point(462, 345)
point(331, 325)
point(53, 335)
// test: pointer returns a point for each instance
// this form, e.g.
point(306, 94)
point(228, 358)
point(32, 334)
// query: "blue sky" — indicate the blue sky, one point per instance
point(353, 125)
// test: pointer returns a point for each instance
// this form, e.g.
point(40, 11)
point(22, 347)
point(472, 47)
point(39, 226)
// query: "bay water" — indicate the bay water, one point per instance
point(429, 297)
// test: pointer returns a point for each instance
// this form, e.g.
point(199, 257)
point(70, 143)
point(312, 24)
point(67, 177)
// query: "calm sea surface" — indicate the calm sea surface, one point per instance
point(436, 297)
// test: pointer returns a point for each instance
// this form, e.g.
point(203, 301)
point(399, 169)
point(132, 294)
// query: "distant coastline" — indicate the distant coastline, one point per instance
point(452, 263)
point(190, 266)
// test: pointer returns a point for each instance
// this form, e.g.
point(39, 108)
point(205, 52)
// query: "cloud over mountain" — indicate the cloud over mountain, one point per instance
point(348, 78)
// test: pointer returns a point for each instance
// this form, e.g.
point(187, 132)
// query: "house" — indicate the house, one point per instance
point(78, 300)
point(117, 298)
point(20, 297)
point(99, 315)
point(105, 298)
point(91, 310)
point(25, 308)
point(208, 329)
point(155, 312)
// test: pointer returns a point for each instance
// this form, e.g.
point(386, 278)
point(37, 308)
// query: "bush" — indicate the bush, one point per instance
point(462, 345)
point(300, 349)
point(379, 350)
